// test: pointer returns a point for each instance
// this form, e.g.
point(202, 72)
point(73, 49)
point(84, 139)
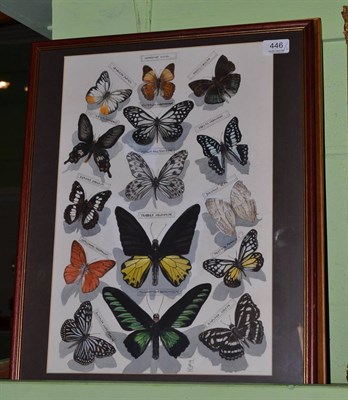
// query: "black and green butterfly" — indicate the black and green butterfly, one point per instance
point(145, 329)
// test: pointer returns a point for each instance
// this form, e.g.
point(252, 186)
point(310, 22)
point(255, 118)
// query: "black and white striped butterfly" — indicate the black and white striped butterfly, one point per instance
point(166, 183)
point(230, 148)
point(89, 146)
point(168, 126)
point(102, 95)
point(86, 210)
point(230, 341)
point(77, 332)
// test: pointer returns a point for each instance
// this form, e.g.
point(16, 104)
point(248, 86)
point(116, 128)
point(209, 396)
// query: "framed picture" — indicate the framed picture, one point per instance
point(172, 217)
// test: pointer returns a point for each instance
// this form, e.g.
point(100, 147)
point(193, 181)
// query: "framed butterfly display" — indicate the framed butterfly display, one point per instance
point(172, 213)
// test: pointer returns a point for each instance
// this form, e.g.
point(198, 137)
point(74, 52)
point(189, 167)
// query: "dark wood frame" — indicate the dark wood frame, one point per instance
point(306, 160)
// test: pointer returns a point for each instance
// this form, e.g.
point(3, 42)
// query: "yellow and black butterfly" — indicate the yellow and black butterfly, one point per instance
point(232, 270)
point(165, 256)
point(155, 85)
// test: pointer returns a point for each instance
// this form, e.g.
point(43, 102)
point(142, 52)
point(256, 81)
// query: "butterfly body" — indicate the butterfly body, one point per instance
point(229, 148)
point(167, 181)
point(77, 330)
point(224, 84)
point(168, 126)
point(86, 210)
point(165, 256)
point(230, 342)
point(232, 270)
point(145, 329)
point(161, 85)
point(89, 146)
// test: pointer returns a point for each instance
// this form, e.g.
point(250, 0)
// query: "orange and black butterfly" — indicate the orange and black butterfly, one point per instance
point(80, 272)
point(155, 85)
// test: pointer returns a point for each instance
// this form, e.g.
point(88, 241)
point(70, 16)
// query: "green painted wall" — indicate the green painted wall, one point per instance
point(79, 18)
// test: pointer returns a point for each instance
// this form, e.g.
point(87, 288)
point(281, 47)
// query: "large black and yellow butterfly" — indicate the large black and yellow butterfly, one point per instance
point(76, 331)
point(132, 317)
point(102, 95)
point(166, 183)
point(224, 84)
point(232, 270)
point(154, 85)
point(86, 210)
point(96, 147)
point(165, 256)
point(230, 148)
point(230, 342)
point(168, 126)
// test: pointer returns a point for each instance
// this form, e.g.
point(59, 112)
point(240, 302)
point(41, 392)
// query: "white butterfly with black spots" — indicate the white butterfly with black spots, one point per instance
point(229, 149)
point(230, 341)
point(76, 331)
point(166, 183)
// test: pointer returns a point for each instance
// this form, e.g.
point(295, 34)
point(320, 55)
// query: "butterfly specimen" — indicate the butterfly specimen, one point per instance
point(230, 148)
point(167, 181)
point(241, 206)
point(168, 126)
point(77, 331)
point(86, 210)
point(232, 270)
point(96, 147)
point(145, 329)
point(79, 271)
point(224, 84)
point(165, 256)
point(102, 95)
point(155, 85)
point(230, 342)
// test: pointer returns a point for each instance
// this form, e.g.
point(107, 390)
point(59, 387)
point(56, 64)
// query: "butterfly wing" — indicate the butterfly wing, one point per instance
point(248, 257)
point(113, 99)
point(232, 137)
point(78, 261)
point(131, 317)
point(212, 149)
point(200, 86)
point(95, 94)
point(95, 271)
point(91, 347)
point(145, 124)
point(154, 85)
point(223, 215)
point(77, 197)
point(167, 88)
point(242, 203)
point(143, 183)
point(96, 203)
point(223, 67)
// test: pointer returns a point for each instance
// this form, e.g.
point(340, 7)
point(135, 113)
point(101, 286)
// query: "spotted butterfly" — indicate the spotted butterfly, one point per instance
point(145, 329)
point(167, 181)
point(230, 148)
point(230, 342)
point(102, 95)
point(224, 84)
point(155, 85)
point(232, 270)
point(76, 331)
point(86, 210)
point(96, 147)
point(168, 126)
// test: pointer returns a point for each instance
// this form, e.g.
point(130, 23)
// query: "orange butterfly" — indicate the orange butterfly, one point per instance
point(80, 271)
point(154, 85)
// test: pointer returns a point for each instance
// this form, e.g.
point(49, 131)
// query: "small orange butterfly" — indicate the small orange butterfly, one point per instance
point(79, 271)
point(154, 85)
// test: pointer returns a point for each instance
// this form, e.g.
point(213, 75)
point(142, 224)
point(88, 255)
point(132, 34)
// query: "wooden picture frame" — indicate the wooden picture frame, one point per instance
point(201, 199)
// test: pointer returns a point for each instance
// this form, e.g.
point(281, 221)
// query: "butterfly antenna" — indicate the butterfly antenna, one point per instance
point(159, 233)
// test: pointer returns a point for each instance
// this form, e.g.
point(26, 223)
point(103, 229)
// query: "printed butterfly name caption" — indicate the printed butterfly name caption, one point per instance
point(230, 342)
point(85, 210)
point(224, 84)
point(77, 332)
point(233, 270)
point(145, 329)
point(80, 272)
point(168, 126)
point(89, 146)
point(165, 256)
point(230, 149)
point(155, 85)
point(106, 99)
point(241, 208)
point(166, 183)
